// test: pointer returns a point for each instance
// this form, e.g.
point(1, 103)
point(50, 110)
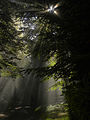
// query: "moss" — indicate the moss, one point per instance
point(62, 118)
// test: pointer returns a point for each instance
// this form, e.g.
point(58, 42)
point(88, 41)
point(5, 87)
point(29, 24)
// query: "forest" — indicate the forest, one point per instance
point(44, 60)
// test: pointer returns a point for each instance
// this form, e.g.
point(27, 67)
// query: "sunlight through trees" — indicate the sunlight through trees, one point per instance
point(44, 45)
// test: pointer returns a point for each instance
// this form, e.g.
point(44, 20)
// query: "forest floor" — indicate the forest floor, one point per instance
point(56, 116)
point(55, 112)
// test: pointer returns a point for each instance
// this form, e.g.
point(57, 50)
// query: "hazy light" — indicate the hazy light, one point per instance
point(3, 116)
point(17, 108)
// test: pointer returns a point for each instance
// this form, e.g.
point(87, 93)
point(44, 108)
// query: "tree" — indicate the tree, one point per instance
point(66, 39)
point(10, 42)
point(72, 56)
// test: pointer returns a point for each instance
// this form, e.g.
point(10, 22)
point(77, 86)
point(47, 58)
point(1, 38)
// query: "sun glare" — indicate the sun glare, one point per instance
point(51, 9)
point(57, 5)
point(55, 12)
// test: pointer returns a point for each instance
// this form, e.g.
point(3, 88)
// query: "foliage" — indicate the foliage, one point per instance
point(70, 43)
point(10, 40)
point(67, 37)
point(7, 33)
point(63, 38)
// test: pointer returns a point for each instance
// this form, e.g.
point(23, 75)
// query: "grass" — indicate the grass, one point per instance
point(55, 116)
point(53, 113)
point(64, 118)
point(58, 118)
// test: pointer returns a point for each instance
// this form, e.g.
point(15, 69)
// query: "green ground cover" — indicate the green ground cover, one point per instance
point(56, 112)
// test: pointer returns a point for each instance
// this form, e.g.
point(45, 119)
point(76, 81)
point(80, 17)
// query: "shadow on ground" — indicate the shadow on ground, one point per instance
point(56, 112)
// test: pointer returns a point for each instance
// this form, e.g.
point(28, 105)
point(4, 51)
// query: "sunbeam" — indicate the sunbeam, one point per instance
point(56, 13)
point(57, 5)
point(52, 9)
